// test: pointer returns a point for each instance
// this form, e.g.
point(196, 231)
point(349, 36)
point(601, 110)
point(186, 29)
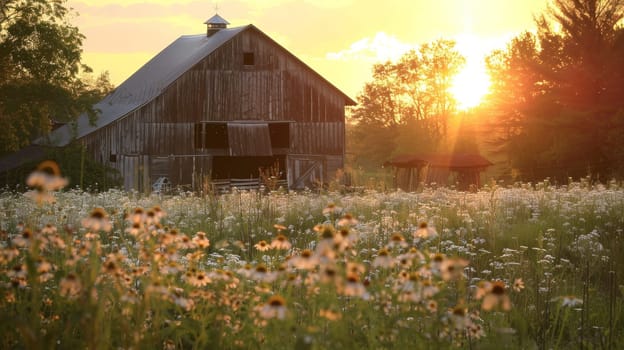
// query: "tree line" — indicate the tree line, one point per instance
point(43, 81)
point(555, 107)
point(43, 84)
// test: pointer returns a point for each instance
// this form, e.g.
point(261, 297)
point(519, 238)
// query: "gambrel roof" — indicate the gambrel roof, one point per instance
point(151, 80)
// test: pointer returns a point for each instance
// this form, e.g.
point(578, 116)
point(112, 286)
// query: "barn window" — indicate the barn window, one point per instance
point(210, 135)
point(112, 158)
point(216, 135)
point(248, 59)
point(280, 135)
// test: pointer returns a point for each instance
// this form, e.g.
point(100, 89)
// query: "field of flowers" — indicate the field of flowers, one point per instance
point(519, 267)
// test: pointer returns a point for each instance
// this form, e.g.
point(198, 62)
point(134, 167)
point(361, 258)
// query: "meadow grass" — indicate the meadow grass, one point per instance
point(519, 267)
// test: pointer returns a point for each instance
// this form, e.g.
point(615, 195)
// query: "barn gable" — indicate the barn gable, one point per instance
point(145, 84)
point(218, 106)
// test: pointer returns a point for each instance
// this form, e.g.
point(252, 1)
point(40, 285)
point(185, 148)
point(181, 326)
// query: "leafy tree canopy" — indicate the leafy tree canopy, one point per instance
point(407, 102)
point(80, 169)
point(40, 71)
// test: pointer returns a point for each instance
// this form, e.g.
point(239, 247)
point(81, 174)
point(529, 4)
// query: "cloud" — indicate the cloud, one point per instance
point(101, 3)
point(380, 48)
point(258, 4)
point(141, 26)
point(330, 3)
point(339, 38)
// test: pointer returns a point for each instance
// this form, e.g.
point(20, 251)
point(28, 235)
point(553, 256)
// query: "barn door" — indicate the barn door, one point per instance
point(135, 172)
point(306, 172)
point(129, 166)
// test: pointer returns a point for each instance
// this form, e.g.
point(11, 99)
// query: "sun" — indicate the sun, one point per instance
point(472, 83)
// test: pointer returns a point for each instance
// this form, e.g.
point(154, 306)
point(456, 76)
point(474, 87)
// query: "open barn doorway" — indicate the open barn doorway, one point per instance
point(226, 167)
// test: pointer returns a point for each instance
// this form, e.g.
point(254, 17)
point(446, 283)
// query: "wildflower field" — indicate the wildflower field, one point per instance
point(518, 267)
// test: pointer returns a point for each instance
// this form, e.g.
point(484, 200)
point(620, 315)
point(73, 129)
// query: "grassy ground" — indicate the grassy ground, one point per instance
point(520, 267)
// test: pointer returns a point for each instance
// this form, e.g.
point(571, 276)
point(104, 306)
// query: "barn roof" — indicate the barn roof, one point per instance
point(151, 80)
point(450, 161)
point(216, 19)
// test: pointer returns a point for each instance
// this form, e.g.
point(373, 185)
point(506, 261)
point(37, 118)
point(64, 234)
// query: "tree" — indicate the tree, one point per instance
point(40, 67)
point(407, 104)
point(558, 92)
point(577, 54)
point(80, 169)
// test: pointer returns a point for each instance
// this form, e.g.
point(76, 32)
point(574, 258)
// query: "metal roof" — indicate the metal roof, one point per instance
point(151, 80)
point(145, 84)
point(216, 19)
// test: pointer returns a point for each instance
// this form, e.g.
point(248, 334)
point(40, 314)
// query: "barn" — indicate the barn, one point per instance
point(217, 108)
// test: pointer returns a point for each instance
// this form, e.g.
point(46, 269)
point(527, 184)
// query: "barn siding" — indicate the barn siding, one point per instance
point(220, 88)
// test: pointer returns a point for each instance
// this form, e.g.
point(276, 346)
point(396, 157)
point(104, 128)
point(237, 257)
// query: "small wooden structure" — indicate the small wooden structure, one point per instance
point(414, 170)
point(217, 106)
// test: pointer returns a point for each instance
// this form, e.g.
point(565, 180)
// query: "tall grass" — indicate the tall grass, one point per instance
point(523, 266)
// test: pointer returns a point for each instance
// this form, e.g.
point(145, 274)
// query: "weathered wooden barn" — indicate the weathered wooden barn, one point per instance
point(412, 171)
point(219, 105)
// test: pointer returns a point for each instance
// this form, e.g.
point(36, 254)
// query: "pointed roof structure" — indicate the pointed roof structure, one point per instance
point(145, 84)
point(152, 79)
point(216, 19)
point(215, 24)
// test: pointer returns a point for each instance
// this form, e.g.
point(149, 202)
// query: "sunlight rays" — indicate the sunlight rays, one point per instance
point(472, 83)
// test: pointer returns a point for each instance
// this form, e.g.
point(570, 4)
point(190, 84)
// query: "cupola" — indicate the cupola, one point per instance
point(215, 24)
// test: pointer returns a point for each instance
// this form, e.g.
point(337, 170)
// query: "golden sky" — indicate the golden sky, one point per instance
point(340, 39)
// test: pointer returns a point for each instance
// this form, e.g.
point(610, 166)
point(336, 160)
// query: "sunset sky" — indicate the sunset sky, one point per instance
point(340, 39)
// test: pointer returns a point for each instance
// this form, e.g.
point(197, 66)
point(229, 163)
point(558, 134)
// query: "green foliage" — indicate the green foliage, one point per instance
point(407, 105)
point(78, 167)
point(125, 278)
point(557, 94)
point(40, 67)
point(370, 145)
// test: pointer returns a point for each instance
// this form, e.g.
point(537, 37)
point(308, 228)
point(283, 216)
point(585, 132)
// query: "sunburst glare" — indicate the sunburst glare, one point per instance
point(470, 85)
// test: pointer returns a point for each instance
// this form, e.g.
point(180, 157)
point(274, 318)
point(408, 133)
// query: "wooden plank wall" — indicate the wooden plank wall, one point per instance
point(220, 88)
point(317, 138)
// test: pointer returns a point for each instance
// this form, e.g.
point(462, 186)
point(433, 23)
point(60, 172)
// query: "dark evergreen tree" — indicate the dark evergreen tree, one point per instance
point(558, 94)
